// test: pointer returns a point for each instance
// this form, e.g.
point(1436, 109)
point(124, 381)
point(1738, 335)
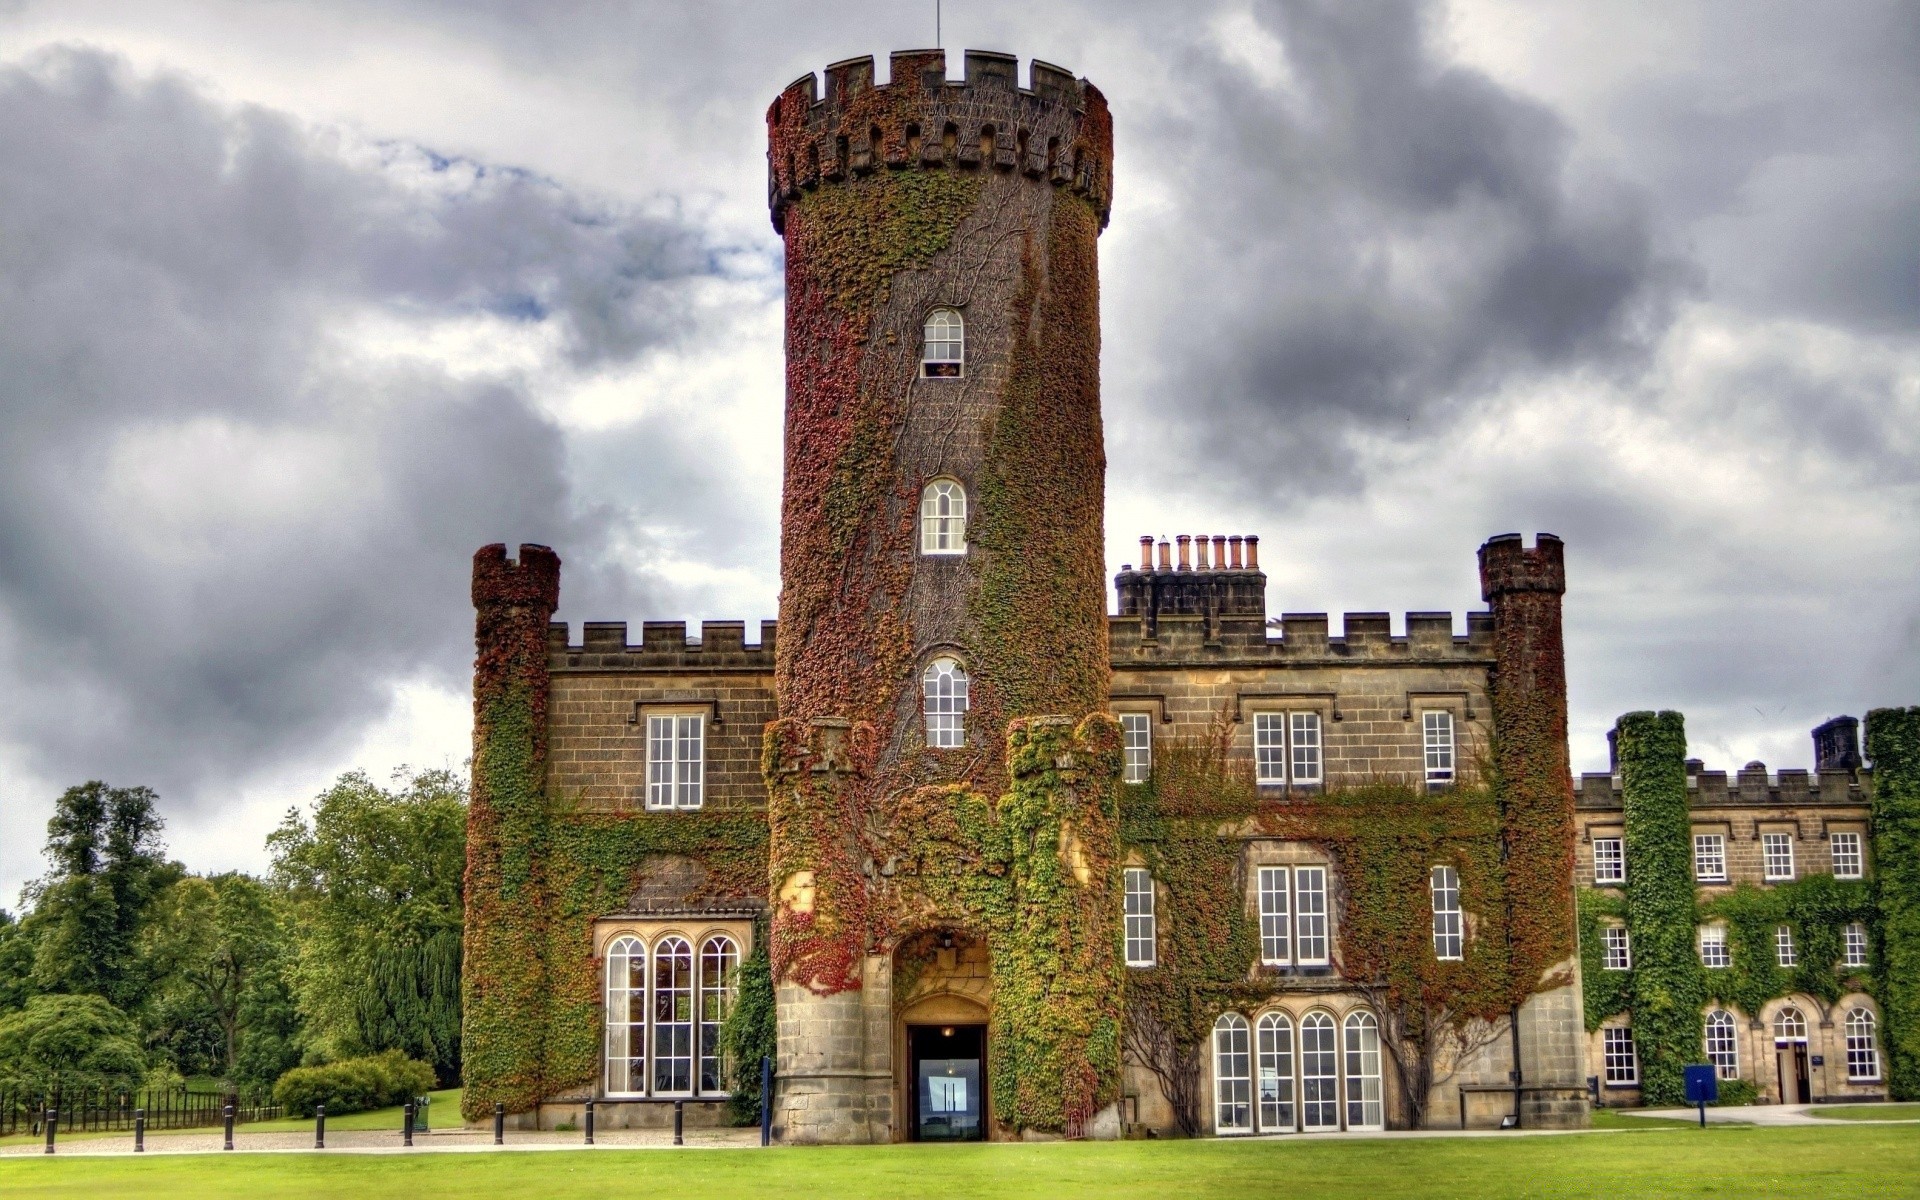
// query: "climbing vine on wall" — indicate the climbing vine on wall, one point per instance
point(1893, 747)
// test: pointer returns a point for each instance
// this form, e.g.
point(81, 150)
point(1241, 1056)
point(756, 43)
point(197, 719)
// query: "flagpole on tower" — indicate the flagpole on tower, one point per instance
point(937, 43)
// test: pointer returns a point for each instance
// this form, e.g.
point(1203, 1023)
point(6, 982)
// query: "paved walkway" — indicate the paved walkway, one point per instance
point(1758, 1114)
point(382, 1142)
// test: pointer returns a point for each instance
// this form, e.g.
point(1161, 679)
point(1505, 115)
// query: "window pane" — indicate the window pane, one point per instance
point(1783, 946)
point(1273, 1037)
point(945, 343)
point(943, 518)
point(719, 960)
point(1274, 933)
point(1863, 1051)
point(1306, 747)
point(1437, 731)
point(689, 767)
point(1139, 917)
point(1448, 936)
point(1723, 1049)
point(1713, 947)
point(1310, 915)
point(1776, 851)
point(1618, 1057)
point(1136, 732)
point(1609, 861)
point(1619, 954)
point(1270, 747)
point(626, 1017)
point(1847, 862)
point(1364, 1109)
point(1709, 856)
point(1856, 944)
point(673, 985)
point(1232, 1075)
point(1319, 1073)
point(660, 759)
point(944, 687)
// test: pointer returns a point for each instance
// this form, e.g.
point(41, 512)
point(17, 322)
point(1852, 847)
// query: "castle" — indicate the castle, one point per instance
point(1018, 866)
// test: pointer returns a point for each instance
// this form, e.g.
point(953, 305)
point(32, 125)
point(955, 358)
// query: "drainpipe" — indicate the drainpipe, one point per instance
point(1513, 1027)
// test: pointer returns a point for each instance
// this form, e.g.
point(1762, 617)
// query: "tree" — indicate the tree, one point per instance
point(210, 944)
point(58, 1044)
point(108, 863)
point(16, 963)
point(375, 883)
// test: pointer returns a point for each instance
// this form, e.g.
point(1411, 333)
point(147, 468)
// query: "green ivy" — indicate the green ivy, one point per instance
point(1817, 909)
point(1604, 993)
point(1893, 747)
point(750, 1031)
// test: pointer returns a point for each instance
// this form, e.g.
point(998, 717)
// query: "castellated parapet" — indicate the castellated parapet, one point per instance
point(1057, 130)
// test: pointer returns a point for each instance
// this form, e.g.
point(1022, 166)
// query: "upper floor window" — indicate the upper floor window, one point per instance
point(1616, 949)
point(1856, 943)
point(1617, 1055)
point(1713, 946)
point(1847, 859)
point(1776, 855)
point(1436, 730)
point(1609, 860)
point(1286, 748)
point(1140, 930)
point(944, 686)
point(1723, 1044)
point(1293, 916)
point(946, 345)
point(675, 760)
point(1783, 946)
point(1710, 857)
point(1136, 740)
point(1863, 1052)
point(1448, 938)
point(943, 518)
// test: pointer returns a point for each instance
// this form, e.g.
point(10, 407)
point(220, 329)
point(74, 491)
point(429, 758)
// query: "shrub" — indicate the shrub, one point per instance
point(1735, 1092)
point(354, 1084)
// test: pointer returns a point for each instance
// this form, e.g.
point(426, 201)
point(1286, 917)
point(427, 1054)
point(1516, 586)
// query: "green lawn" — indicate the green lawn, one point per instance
point(1833, 1163)
point(1868, 1112)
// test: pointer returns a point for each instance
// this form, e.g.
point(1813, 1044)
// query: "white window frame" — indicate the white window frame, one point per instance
point(1136, 743)
point(1784, 952)
point(944, 700)
point(623, 997)
point(1616, 948)
point(1710, 857)
point(1854, 937)
point(1863, 1046)
point(1609, 860)
point(673, 1015)
point(1142, 945)
point(1270, 748)
point(1311, 935)
point(943, 518)
point(1714, 954)
point(1437, 745)
point(943, 344)
point(1289, 748)
point(1721, 1041)
point(1319, 1072)
point(1274, 888)
point(1232, 1074)
point(1776, 856)
point(719, 987)
point(676, 760)
point(1275, 1111)
point(1365, 1107)
point(1619, 1058)
point(1449, 925)
point(1849, 859)
point(1790, 1025)
point(1305, 764)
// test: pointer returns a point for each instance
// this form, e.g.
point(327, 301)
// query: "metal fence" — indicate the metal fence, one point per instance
point(166, 1108)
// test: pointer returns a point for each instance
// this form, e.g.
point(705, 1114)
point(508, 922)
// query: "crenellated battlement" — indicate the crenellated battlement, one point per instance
point(1057, 130)
point(1836, 778)
point(1197, 640)
point(663, 646)
point(1507, 566)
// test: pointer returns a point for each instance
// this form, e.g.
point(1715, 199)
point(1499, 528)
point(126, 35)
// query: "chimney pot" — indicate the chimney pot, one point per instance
point(1234, 542)
point(1253, 552)
point(1146, 554)
point(1219, 552)
point(1186, 550)
point(1166, 562)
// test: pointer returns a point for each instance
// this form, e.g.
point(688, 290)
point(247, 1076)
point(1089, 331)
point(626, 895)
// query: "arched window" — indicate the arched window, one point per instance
point(672, 1017)
point(944, 686)
point(946, 345)
point(1790, 1025)
point(1364, 1109)
point(943, 518)
point(1444, 884)
point(1723, 1048)
point(1863, 1052)
point(1319, 1074)
point(1232, 1085)
point(719, 959)
point(626, 1017)
point(1273, 1051)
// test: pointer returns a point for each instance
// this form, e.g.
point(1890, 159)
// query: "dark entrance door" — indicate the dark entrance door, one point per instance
point(949, 1097)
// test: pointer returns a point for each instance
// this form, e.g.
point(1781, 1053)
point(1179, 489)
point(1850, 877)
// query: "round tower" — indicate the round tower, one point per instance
point(941, 536)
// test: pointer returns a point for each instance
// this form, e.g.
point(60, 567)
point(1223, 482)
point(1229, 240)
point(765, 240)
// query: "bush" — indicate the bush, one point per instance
point(354, 1084)
point(1735, 1092)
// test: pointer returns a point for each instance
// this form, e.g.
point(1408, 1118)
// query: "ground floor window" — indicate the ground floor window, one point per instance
point(1863, 1051)
point(1723, 1048)
point(1232, 1082)
point(1319, 1074)
point(1273, 1037)
point(1364, 1109)
point(664, 1008)
point(1616, 1052)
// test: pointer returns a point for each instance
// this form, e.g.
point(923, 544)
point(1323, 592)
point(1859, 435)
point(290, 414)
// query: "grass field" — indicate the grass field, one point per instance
point(1868, 1112)
point(1834, 1163)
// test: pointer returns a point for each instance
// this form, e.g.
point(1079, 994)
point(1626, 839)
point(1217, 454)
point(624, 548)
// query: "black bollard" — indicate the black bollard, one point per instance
point(499, 1123)
point(589, 1122)
point(679, 1115)
point(319, 1127)
point(226, 1117)
point(766, 1101)
point(53, 1118)
point(139, 1131)
point(406, 1128)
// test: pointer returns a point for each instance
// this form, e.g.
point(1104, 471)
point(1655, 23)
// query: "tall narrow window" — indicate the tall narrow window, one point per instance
point(1616, 949)
point(1305, 731)
point(943, 518)
point(1855, 937)
point(1273, 1049)
point(1448, 937)
point(944, 686)
point(1270, 747)
point(1618, 1058)
point(1139, 917)
point(1847, 860)
point(1232, 1085)
point(1710, 857)
point(719, 960)
point(1136, 741)
point(1783, 946)
point(1723, 1046)
point(1863, 1051)
point(1310, 908)
point(946, 345)
point(673, 985)
point(1609, 860)
point(675, 760)
point(1436, 729)
point(1364, 1109)
point(1275, 942)
point(1319, 1073)
point(626, 1017)
point(1713, 947)
point(1776, 855)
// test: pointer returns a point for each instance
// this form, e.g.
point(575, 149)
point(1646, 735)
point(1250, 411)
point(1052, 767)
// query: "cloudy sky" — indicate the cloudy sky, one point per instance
point(300, 303)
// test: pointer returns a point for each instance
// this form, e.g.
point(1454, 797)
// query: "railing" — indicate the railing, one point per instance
point(113, 1111)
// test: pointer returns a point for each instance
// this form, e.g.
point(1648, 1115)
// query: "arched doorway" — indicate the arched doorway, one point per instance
point(940, 1043)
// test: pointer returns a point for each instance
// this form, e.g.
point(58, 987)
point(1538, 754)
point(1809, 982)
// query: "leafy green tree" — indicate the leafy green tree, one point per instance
point(16, 963)
point(108, 863)
point(210, 943)
point(375, 882)
point(59, 1044)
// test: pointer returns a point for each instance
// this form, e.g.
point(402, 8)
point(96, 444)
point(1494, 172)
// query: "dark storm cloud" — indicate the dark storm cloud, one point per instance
point(225, 528)
point(1367, 245)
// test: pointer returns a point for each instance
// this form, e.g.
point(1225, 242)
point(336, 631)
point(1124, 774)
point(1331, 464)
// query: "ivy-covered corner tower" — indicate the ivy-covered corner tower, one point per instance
point(970, 209)
point(1893, 747)
point(1535, 789)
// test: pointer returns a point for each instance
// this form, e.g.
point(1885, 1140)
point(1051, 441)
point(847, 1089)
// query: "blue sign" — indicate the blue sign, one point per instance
point(1703, 1085)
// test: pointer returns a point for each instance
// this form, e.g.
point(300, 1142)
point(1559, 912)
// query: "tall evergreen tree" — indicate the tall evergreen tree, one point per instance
point(107, 864)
